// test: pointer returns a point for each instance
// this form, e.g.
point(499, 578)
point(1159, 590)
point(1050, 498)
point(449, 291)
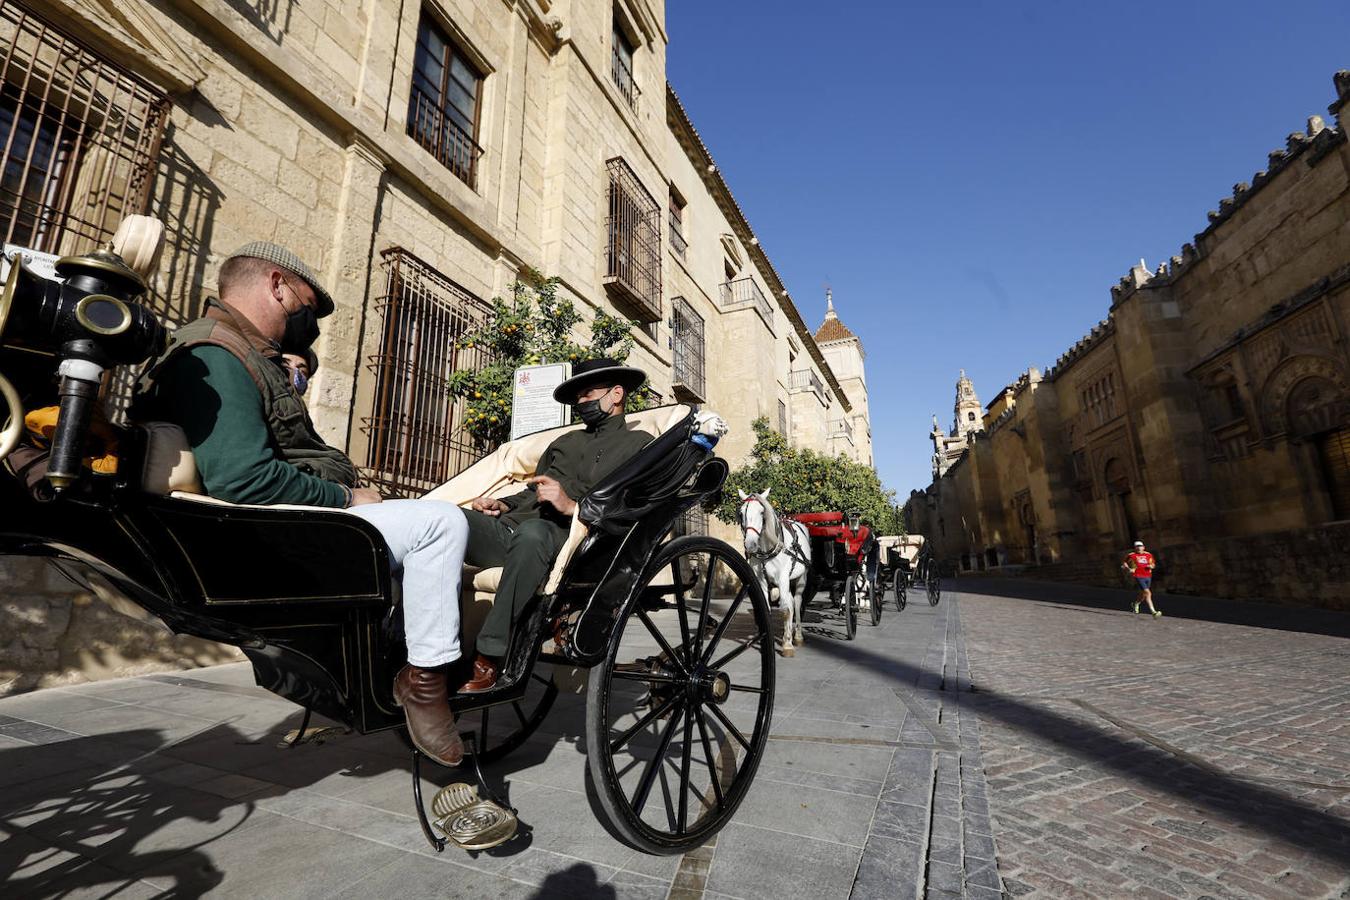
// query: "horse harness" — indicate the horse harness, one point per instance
point(773, 536)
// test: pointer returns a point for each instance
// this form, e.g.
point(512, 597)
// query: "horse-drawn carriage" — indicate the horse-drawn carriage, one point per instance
point(844, 562)
point(893, 568)
point(669, 639)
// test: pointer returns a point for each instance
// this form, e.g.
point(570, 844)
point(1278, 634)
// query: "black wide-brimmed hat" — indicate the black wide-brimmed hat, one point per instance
point(590, 372)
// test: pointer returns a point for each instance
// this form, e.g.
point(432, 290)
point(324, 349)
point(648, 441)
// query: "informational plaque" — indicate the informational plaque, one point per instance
point(38, 263)
point(532, 405)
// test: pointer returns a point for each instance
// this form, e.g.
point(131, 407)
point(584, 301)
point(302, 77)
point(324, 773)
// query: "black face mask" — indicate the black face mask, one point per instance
point(591, 413)
point(302, 330)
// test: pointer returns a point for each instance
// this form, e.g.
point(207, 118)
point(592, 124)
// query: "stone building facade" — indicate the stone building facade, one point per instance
point(421, 157)
point(1208, 414)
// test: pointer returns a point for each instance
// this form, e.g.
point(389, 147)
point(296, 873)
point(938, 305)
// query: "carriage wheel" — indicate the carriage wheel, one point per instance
point(934, 591)
point(678, 713)
point(901, 592)
point(874, 602)
point(851, 607)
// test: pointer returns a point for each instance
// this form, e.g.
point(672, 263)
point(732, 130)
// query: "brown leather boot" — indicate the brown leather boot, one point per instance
point(426, 703)
point(484, 676)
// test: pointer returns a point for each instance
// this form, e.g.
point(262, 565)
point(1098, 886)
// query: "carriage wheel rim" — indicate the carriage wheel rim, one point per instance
point(694, 688)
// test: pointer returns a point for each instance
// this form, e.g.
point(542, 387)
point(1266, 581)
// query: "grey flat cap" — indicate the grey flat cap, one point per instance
point(284, 258)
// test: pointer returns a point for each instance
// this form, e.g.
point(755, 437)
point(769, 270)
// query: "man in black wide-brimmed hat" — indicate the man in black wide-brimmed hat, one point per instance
point(523, 532)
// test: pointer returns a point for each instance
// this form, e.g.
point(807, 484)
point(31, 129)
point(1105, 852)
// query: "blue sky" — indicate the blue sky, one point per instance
point(972, 177)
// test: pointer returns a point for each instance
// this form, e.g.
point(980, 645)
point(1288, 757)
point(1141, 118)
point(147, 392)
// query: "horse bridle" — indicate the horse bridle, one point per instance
point(760, 555)
point(786, 537)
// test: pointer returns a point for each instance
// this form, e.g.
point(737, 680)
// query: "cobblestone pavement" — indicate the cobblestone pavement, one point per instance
point(1188, 756)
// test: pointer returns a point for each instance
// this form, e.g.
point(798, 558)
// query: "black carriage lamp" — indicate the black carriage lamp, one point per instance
point(88, 317)
point(854, 520)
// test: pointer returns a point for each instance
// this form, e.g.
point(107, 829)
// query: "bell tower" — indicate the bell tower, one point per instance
point(969, 413)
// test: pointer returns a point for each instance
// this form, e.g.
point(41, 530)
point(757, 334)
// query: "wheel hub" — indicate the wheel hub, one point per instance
point(708, 686)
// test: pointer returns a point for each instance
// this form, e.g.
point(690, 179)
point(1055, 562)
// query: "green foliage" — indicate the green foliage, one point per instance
point(533, 326)
point(806, 481)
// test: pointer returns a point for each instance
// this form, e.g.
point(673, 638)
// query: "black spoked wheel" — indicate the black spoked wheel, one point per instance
point(851, 607)
point(678, 713)
point(934, 590)
point(874, 601)
point(901, 593)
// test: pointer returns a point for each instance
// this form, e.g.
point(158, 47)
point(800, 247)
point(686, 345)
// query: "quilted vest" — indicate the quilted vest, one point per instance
point(293, 435)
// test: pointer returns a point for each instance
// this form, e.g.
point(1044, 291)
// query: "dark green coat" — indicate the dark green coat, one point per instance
point(578, 460)
point(250, 432)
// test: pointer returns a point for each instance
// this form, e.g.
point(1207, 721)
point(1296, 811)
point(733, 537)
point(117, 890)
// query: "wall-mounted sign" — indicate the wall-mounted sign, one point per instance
point(532, 405)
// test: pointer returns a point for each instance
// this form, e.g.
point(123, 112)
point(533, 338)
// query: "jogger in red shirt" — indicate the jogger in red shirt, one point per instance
point(1140, 564)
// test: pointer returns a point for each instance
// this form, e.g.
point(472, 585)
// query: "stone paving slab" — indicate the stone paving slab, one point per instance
point(175, 784)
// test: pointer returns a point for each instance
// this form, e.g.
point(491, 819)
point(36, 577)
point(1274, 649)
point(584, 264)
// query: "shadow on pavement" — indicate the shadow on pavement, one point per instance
point(579, 880)
point(1177, 606)
point(99, 813)
point(1260, 808)
point(85, 828)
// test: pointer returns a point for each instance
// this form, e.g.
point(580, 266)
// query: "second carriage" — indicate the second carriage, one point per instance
point(844, 561)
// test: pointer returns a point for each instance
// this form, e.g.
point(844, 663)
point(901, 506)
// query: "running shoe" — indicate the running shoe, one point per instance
point(1157, 614)
point(1135, 606)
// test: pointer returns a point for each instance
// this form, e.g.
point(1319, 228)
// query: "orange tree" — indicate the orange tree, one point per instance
point(806, 481)
point(532, 326)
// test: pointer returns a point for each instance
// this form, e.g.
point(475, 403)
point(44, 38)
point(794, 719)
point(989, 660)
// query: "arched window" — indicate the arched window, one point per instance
point(970, 417)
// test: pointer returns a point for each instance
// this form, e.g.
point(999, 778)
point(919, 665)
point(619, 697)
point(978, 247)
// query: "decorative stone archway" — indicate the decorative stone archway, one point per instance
point(1313, 383)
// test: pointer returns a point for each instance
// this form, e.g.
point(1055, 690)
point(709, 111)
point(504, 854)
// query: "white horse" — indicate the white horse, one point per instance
point(780, 555)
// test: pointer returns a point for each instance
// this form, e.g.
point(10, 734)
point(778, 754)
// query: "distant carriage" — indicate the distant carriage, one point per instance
point(844, 561)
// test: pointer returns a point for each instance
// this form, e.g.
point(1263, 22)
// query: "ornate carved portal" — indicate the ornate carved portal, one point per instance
point(1316, 405)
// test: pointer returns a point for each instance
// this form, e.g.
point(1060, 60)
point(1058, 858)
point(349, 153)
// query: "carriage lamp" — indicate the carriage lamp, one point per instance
point(89, 317)
point(854, 521)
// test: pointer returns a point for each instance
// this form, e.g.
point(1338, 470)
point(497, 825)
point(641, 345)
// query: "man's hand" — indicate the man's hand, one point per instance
point(362, 496)
point(548, 490)
point(489, 507)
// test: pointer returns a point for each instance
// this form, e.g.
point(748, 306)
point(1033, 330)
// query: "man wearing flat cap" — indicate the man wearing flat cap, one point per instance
point(221, 381)
point(523, 532)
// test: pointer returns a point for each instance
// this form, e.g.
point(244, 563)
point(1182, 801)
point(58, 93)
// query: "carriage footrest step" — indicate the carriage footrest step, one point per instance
point(470, 822)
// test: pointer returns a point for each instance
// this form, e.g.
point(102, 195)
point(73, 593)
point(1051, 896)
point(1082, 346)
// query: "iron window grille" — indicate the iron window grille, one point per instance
point(416, 429)
point(686, 345)
point(621, 68)
point(633, 243)
point(443, 104)
point(79, 138)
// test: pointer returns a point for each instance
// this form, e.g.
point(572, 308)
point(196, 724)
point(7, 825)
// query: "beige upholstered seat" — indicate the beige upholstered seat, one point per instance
point(170, 470)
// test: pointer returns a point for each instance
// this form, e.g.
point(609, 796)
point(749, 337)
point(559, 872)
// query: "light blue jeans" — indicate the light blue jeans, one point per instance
point(426, 541)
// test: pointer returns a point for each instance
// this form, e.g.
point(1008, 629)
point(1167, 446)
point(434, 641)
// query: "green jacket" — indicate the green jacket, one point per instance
point(250, 433)
point(579, 460)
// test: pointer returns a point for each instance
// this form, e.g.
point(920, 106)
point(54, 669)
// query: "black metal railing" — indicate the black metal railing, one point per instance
point(622, 73)
point(745, 291)
point(441, 136)
point(677, 241)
